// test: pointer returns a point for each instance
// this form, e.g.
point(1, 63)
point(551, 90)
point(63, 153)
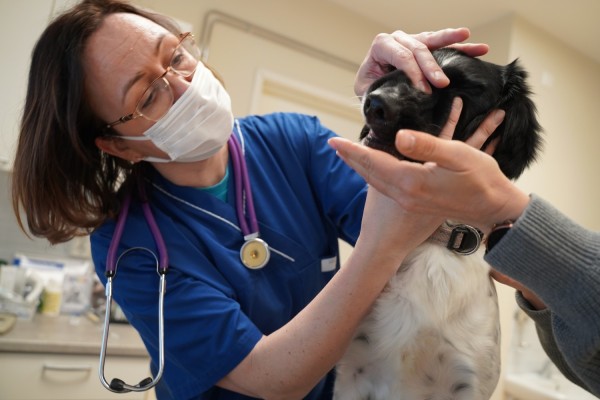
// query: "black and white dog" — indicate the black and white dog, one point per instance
point(434, 332)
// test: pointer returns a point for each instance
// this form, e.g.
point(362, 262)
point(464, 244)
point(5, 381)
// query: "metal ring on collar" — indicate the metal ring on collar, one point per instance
point(464, 239)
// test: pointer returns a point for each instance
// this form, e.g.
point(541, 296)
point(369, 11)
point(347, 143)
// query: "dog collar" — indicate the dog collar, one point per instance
point(462, 239)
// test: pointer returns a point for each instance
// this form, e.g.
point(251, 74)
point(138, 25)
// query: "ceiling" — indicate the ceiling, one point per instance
point(574, 22)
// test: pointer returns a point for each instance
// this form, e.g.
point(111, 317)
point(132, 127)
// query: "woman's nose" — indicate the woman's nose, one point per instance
point(179, 84)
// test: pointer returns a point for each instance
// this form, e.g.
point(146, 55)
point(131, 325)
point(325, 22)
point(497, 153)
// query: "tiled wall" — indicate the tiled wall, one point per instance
point(12, 239)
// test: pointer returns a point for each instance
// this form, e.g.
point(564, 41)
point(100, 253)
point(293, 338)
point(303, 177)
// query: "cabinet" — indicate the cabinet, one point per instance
point(48, 376)
point(56, 358)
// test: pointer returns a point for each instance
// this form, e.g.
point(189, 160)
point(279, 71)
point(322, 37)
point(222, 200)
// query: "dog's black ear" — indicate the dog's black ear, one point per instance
point(520, 132)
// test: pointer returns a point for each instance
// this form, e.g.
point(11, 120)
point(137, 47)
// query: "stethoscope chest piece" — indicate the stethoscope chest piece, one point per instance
point(255, 253)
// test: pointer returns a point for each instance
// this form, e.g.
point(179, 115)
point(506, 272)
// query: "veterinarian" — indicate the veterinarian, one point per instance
point(552, 262)
point(126, 136)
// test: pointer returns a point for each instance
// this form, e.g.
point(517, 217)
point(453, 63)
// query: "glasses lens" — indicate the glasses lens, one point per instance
point(185, 58)
point(156, 100)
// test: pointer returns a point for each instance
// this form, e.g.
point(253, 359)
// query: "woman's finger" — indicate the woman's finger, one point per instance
point(491, 147)
point(362, 158)
point(472, 49)
point(449, 154)
point(448, 129)
point(423, 68)
point(426, 70)
point(529, 295)
point(381, 170)
point(485, 130)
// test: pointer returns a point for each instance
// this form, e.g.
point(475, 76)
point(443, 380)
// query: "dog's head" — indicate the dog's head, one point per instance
point(392, 103)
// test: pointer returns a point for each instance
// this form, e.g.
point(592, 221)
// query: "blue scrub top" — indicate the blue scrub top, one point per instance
point(216, 310)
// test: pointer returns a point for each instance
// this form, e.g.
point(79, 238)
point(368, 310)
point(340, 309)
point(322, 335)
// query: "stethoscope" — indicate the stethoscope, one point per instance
point(254, 254)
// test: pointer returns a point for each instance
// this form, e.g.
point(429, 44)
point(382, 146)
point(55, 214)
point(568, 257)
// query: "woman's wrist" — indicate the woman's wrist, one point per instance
point(513, 203)
point(373, 254)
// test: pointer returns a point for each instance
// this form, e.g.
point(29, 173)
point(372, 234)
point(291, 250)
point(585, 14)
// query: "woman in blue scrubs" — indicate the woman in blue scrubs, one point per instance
point(116, 101)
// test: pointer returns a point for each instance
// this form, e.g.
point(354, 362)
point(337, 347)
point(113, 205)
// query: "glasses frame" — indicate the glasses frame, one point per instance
point(136, 114)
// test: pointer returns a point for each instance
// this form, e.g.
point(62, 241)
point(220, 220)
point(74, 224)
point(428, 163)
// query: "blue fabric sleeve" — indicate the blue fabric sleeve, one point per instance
point(341, 191)
point(337, 189)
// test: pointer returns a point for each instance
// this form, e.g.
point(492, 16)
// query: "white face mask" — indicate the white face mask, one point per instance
point(197, 125)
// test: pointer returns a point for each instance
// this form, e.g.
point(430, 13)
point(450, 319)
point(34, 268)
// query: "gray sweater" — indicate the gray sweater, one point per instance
point(560, 262)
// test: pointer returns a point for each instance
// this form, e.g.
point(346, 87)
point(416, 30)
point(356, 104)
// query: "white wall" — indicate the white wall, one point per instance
point(567, 87)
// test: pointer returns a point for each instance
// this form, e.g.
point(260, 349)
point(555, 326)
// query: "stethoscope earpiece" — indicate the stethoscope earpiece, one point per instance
point(118, 385)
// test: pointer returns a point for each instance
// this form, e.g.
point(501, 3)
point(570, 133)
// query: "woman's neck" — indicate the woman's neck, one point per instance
point(199, 174)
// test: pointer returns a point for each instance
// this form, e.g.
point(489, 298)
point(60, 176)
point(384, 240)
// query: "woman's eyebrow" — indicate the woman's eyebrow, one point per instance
point(140, 74)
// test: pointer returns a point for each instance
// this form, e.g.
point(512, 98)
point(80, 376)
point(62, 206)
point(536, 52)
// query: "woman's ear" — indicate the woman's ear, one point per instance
point(118, 148)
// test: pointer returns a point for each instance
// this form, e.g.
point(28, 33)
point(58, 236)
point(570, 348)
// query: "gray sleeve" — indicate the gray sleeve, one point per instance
point(559, 261)
point(543, 326)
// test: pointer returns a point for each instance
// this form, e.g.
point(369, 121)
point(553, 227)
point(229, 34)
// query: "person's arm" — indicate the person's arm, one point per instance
point(556, 259)
point(543, 325)
point(289, 362)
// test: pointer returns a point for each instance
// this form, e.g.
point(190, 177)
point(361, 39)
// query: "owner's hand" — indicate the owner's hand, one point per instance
point(456, 180)
point(412, 54)
point(530, 296)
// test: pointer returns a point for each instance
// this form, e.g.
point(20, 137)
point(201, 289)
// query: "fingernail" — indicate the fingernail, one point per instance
point(405, 140)
point(438, 76)
point(441, 79)
point(332, 143)
point(499, 116)
point(335, 142)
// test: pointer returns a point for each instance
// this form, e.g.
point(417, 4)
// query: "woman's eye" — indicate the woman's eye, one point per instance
point(178, 58)
point(148, 99)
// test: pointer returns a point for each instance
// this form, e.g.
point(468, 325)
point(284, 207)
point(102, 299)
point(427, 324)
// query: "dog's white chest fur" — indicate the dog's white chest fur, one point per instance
point(433, 334)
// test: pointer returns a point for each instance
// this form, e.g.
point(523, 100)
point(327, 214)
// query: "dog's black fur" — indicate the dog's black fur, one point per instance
point(413, 345)
point(392, 103)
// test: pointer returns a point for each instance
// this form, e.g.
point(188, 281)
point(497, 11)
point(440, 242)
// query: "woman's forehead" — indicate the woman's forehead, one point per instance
point(123, 35)
point(119, 50)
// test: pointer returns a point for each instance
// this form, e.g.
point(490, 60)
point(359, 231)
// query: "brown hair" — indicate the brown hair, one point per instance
point(65, 185)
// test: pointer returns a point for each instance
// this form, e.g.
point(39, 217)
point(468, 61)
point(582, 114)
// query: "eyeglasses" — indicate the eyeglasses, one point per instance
point(157, 99)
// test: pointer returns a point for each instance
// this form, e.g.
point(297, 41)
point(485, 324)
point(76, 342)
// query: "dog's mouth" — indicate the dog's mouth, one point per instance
point(377, 142)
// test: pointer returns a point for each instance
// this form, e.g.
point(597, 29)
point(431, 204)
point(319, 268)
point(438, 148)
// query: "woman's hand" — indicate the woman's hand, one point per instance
point(456, 180)
point(412, 54)
point(527, 294)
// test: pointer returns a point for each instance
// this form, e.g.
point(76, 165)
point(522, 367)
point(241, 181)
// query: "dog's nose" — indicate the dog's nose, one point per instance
point(375, 109)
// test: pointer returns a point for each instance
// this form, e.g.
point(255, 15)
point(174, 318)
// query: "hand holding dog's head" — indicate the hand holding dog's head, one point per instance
point(392, 103)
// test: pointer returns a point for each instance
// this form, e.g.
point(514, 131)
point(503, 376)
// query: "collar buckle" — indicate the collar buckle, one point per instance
point(464, 240)
point(461, 239)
